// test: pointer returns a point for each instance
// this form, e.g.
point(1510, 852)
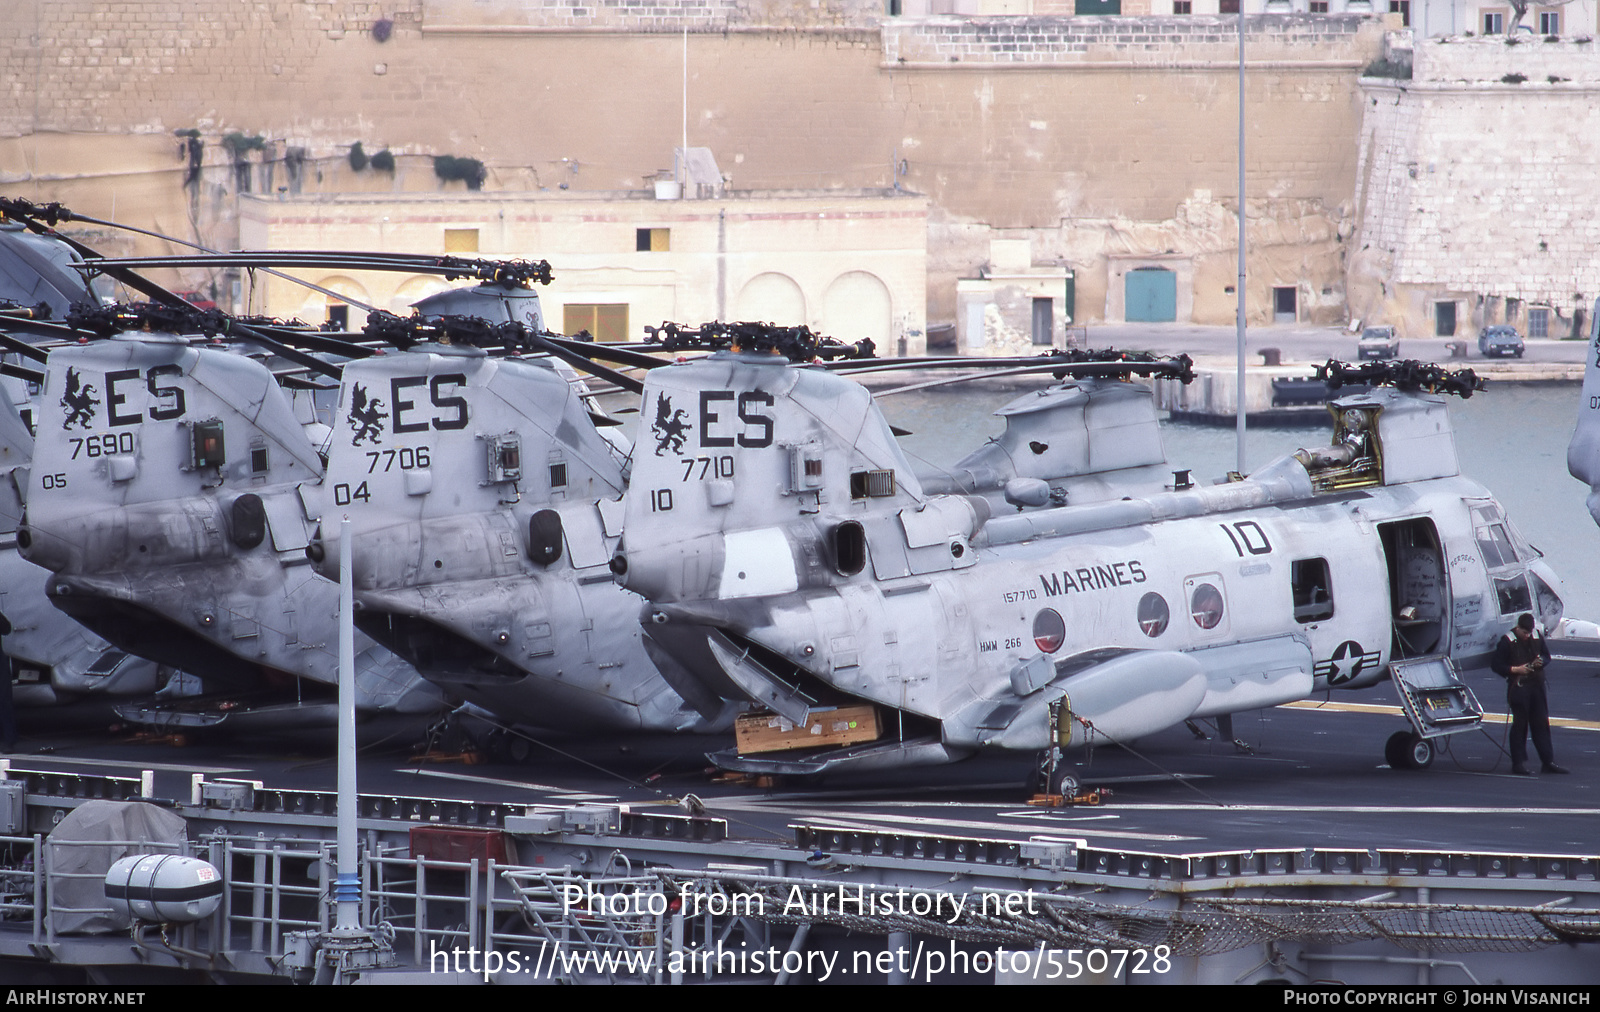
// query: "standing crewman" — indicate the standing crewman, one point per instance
point(8, 711)
point(1520, 658)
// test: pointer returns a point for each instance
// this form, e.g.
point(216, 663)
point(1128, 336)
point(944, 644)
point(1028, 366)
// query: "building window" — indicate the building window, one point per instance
point(338, 316)
point(1538, 323)
point(1227, 6)
point(1402, 8)
point(1319, 6)
point(1182, 7)
point(1549, 22)
point(461, 240)
point(607, 322)
point(1494, 22)
point(652, 240)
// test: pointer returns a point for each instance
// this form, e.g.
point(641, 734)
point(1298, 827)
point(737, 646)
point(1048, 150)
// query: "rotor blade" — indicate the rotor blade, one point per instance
point(602, 421)
point(26, 213)
point(578, 361)
point(294, 381)
point(22, 348)
point(311, 362)
point(328, 344)
point(612, 353)
point(1074, 368)
point(450, 266)
point(59, 331)
point(24, 373)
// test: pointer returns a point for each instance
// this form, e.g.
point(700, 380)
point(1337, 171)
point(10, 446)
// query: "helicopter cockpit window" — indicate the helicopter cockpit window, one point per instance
point(1495, 545)
point(1513, 595)
point(1205, 606)
point(1313, 592)
point(1154, 614)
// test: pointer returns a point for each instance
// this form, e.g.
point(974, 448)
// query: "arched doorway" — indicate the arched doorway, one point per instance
point(857, 305)
point(771, 298)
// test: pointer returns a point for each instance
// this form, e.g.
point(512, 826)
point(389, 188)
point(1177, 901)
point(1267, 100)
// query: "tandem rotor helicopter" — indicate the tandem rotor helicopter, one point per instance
point(804, 568)
point(788, 559)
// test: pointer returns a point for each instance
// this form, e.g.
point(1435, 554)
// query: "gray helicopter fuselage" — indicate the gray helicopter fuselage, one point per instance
point(807, 568)
point(482, 504)
point(167, 502)
point(55, 659)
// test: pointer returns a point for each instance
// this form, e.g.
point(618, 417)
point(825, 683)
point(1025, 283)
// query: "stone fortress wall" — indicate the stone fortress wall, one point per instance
point(1475, 181)
point(1107, 144)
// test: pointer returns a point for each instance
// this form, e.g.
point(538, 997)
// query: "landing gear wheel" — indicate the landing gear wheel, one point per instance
point(1064, 784)
point(518, 748)
point(1059, 780)
point(1407, 750)
point(495, 743)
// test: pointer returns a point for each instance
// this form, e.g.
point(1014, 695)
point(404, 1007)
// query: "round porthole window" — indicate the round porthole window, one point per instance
point(1049, 631)
point(1153, 614)
point(1205, 606)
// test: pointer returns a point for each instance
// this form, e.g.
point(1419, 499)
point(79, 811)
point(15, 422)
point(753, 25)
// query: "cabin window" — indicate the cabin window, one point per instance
point(1313, 592)
point(1205, 606)
point(1153, 614)
point(1049, 630)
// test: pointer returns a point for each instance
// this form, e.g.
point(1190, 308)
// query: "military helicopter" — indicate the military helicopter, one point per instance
point(791, 557)
point(1583, 452)
point(228, 584)
point(166, 504)
point(482, 499)
point(54, 658)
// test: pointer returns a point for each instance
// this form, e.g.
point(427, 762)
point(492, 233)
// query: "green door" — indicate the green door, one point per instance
point(1151, 295)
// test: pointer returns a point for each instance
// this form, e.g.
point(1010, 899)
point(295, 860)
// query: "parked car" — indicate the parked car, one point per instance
point(1378, 342)
point(196, 299)
point(1499, 341)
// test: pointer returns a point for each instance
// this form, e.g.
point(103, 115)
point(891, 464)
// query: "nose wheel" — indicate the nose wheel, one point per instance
point(1407, 750)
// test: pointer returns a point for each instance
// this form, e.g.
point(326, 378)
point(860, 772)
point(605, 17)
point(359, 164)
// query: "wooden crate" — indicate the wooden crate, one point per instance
point(764, 731)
